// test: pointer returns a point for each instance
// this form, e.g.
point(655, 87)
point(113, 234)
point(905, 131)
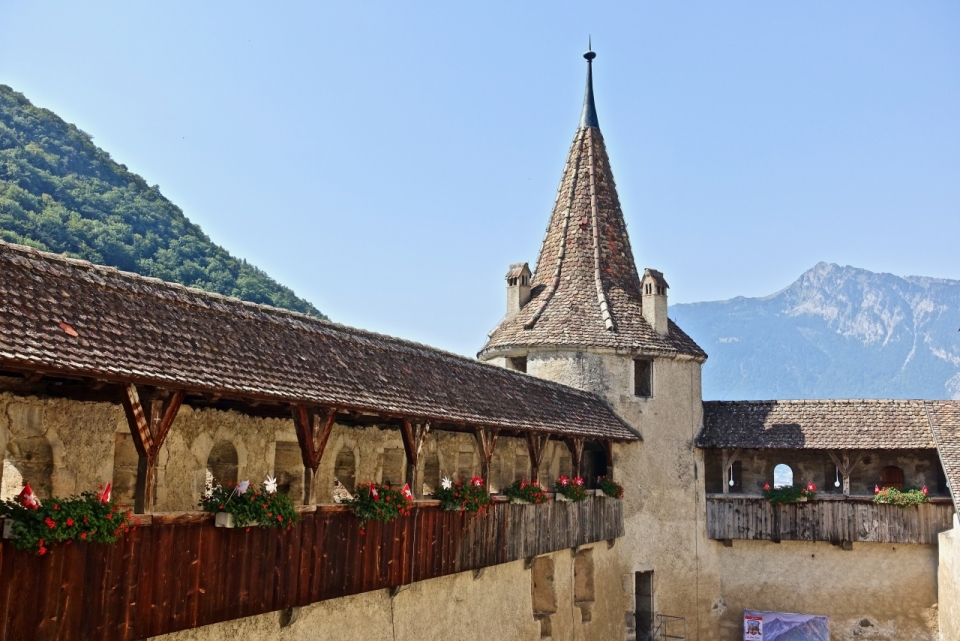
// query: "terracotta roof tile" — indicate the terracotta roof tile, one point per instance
point(131, 328)
point(945, 424)
point(816, 424)
point(586, 290)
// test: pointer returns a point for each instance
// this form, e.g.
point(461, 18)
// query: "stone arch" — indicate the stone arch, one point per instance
point(223, 464)
point(28, 459)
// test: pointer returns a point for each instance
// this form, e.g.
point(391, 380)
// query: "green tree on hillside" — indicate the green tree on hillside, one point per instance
point(59, 192)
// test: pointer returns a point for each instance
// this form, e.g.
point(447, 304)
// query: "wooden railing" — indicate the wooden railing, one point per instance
point(836, 520)
point(179, 571)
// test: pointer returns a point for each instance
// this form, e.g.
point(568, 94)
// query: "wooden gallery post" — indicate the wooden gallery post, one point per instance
point(414, 436)
point(313, 430)
point(148, 437)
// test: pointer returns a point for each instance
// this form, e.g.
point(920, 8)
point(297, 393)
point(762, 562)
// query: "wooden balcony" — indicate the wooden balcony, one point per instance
point(834, 519)
point(178, 571)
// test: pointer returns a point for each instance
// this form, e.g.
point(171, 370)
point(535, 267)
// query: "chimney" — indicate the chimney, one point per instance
point(518, 288)
point(654, 300)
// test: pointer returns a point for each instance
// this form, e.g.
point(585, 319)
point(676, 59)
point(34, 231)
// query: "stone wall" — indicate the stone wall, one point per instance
point(664, 501)
point(874, 591)
point(948, 582)
point(88, 444)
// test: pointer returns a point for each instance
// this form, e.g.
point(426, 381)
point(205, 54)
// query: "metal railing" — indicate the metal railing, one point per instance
point(669, 627)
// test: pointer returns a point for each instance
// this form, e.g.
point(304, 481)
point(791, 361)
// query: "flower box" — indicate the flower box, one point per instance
point(561, 497)
point(8, 529)
point(514, 501)
point(225, 519)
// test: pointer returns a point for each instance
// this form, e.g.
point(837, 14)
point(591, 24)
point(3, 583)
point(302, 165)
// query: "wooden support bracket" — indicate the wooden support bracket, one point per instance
point(313, 430)
point(845, 466)
point(414, 436)
point(536, 445)
point(728, 460)
point(148, 435)
point(487, 439)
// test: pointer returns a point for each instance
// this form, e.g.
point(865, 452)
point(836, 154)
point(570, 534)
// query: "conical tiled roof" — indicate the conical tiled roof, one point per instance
point(586, 290)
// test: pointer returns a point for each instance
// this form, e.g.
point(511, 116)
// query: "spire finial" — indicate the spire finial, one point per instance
point(588, 117)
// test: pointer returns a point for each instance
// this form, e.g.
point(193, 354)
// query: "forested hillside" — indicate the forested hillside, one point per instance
point(60, 193)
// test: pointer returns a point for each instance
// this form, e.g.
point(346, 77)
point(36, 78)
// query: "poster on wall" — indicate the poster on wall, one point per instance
point(784, 626)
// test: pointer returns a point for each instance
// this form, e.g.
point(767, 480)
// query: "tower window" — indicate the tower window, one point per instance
point(643, 378)
point(519, 363)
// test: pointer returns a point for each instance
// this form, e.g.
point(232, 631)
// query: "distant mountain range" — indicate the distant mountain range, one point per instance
point(61, 193)
point(837, 332)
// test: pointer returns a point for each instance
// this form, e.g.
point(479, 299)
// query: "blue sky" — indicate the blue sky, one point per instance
point(388, 161)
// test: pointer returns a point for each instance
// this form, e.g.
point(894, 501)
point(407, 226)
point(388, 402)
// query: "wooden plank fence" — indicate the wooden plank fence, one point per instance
point(182, 572)
point(831, 520)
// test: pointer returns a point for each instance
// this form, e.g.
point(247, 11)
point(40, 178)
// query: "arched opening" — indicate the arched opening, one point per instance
point(892, 476)
point(222, 464)
point(288, 470)
point(28, 460)
point(345, 469)
point(431, 473)
point(782, 475)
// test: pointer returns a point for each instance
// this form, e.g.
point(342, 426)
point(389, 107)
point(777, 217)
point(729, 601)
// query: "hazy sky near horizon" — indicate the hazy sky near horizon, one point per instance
point(389, 161)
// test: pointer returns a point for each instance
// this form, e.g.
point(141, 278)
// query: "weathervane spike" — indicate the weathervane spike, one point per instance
point(588, 117)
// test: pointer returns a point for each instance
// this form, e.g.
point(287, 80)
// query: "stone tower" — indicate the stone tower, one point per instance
point(590, 321)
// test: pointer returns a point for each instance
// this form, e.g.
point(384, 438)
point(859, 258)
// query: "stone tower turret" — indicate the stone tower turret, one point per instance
point(593, 323)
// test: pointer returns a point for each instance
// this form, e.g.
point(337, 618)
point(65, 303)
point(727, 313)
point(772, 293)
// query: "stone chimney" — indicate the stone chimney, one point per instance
point(518, 288)
point(654, 300)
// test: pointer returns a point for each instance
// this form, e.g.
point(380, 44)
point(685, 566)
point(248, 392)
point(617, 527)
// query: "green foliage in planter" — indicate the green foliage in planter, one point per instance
point(376, 502)
point(788, 494)
point(460, 496)
point(905, 498)
point(610, 487)
point(527, 491)
point(264, 506)
point(571, 489)
point(87, 517)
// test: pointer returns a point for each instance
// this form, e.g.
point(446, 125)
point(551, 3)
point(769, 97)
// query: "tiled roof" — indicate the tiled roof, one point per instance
point(832, 424)
point(945, 424)
point(66, 316)
point(586, 290)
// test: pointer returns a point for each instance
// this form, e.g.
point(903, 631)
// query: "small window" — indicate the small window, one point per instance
point(782, 475)
point(519, 363)
point(643, 378)
point(892, 476)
